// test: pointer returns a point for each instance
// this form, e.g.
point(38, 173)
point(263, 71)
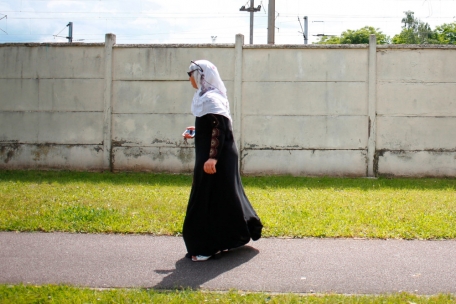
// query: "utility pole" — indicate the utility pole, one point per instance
point(271, 21)
point(70, 32)
point(251, 10)
point(305, 30)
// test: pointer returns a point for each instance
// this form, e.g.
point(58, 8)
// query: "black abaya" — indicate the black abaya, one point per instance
point(219, 215)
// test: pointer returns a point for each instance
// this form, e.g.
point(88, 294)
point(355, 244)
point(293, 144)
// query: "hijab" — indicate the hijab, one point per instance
point(211, 94)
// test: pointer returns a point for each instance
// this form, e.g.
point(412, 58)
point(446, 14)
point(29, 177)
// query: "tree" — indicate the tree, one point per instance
point(415, 31)
point(446, 33)
point(360, 36)
point(409, 20)
point(329, 40)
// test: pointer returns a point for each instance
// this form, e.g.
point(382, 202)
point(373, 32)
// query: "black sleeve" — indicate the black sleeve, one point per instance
point(218, 135)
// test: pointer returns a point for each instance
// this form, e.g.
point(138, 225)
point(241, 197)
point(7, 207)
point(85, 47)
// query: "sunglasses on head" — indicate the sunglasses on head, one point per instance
point(199, 68)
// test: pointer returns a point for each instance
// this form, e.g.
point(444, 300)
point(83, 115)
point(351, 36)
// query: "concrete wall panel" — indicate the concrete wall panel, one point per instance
point(161, 63)
point(44, 156)
point(51, 94)
point(412, 65)
point(156, 96)
point(420, 99)
point(305, 162)
point(300, 110)
point(417, 163)
point(309, 132)
point(150, 129)
point(305, 65)
point(157, 159)
point(304, 98)
point(416, 133)
point(52, 127)
point(51, 62)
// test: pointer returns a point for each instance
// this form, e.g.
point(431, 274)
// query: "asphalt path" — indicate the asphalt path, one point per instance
point(345, 266)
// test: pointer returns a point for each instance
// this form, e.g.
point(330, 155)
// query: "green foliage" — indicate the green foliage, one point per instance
point(23, 294)
point(288, 206)
point(446, 33)
point(415, 31)
point(360, 36)
point(329, 40)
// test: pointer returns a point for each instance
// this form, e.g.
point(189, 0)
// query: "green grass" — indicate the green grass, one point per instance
point(288, 206)
point(18, 294)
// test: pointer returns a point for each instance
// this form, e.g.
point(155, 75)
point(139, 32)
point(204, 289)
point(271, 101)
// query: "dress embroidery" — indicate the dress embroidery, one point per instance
point(214, 141)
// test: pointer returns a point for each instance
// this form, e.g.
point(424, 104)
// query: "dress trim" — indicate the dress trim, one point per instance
point(214, 140)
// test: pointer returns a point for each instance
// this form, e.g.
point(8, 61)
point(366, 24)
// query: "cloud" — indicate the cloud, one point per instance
point(183, 21)
point(56, 5)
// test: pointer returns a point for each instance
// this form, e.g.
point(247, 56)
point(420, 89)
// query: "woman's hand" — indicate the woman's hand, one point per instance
point(209, 166)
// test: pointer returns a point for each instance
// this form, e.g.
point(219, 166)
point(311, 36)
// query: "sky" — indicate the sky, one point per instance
point(206, 21)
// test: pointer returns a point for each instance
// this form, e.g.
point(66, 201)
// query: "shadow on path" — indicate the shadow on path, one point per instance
point(189, 274)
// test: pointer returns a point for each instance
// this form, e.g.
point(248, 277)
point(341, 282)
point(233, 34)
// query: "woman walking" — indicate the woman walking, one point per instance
point(219, 215)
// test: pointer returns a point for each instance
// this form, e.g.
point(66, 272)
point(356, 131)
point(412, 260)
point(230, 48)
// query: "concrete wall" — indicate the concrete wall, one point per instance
point(51, 107)
point(151, 104)
point(302, 110)
point(416, 111)
point(305, 111)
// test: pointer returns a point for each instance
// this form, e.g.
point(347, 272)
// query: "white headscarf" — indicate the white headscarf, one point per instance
point(211, 94)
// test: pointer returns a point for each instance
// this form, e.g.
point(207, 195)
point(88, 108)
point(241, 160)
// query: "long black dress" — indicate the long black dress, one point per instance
point(219, 215)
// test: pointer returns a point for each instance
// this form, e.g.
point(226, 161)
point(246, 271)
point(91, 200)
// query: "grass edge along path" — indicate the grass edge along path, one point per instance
point(148, 203)
point(18, 294)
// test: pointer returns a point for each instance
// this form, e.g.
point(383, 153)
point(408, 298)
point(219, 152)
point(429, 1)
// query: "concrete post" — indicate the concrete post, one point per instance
point(251, 20)
point(110, 40)
point(237, 105)
point(372, 107)
point(271, 22)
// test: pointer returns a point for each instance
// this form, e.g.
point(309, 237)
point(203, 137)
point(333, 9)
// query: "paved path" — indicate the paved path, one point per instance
point(272, 265)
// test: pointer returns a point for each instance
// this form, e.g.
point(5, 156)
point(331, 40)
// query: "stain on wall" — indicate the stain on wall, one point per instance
point(8, 152)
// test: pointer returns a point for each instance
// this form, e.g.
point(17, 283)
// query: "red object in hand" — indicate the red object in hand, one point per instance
point(189, 133)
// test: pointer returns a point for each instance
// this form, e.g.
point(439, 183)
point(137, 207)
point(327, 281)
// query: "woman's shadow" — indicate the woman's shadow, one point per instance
point(189, 274)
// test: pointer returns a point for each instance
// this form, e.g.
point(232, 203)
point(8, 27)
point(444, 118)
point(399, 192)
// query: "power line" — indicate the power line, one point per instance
point(202, 32)
point(123, 12)
point(418, 1)
point(4, 17)
point(127, 18)
point(210, 16)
